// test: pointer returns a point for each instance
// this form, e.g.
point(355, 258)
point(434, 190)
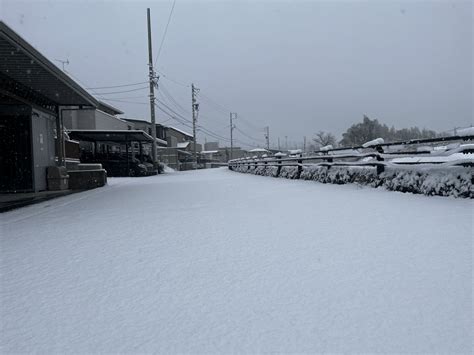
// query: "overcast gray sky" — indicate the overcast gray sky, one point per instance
point(298, 67)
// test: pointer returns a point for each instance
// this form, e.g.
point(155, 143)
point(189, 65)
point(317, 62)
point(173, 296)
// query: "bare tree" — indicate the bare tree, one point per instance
point(324, 138)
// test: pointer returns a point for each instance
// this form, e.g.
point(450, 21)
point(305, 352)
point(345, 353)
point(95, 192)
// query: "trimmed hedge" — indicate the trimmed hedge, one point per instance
point(453, 181)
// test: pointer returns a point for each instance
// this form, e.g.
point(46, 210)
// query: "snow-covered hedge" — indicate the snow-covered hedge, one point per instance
point(453, 181)
point(289, 172)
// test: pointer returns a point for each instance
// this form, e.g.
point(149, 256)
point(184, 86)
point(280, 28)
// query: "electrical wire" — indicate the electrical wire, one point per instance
point(166, 31)
point(124, 101)
point(185, 122)
point(249, 137)
point(177, 82)
point(118, 86)
point(119, 92)
point(170, 97)
point(215, 103)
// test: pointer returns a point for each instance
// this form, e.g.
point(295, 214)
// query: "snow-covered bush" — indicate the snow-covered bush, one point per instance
point(450, 181)
point(260, 170)
point(289, 172)
point(272, 171)
point(454, 181)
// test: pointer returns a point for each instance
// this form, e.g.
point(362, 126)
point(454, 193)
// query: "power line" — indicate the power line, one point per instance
point(124, 101)
point(170, 97)
point(223, 109)
point(215, 104)
point(118, 86)
point(174, 112)
point(166, 31)
point(119, 92)
point(246, 135)
point(177, 82)
point(185, 122)
point(128, 97)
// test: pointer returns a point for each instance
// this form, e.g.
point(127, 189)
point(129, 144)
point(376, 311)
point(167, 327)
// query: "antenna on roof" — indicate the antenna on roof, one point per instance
point(63, 62)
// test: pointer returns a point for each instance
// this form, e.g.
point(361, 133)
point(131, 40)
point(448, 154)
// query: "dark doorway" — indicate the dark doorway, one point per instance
point(15, 148)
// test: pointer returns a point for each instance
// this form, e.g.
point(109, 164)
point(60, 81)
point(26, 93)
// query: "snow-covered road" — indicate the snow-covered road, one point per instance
point(216, 261)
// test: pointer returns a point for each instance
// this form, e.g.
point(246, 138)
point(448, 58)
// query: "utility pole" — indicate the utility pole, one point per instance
point(304, 144)
point(279, 144)
point(267, 136)
point(151, 75)
point(233, 116)
point(286, 142)
point(195, 108)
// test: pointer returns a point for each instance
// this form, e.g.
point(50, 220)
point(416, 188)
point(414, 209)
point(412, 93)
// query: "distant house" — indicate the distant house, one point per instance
point(237, 152)
point(211, 146)
point(178, 148)
point(146, 126)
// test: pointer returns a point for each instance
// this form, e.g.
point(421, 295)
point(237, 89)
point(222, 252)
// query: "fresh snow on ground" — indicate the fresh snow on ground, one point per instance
point(216, 261)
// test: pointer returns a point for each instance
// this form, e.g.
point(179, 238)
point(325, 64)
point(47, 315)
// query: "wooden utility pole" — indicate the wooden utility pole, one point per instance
point(233, 116)
point(151, 76)
point(195, 108)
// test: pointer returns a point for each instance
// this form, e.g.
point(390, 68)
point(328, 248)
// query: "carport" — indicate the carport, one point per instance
point(114, 137)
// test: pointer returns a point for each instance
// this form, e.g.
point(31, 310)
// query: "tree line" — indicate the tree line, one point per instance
point(367, 130)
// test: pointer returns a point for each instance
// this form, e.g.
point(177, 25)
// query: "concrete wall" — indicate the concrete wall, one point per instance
point(211, 146)
point(93, 119)
point(237, 153)
point(105, 121)
point(143, 126)
point(172, 141)
point(180, 137)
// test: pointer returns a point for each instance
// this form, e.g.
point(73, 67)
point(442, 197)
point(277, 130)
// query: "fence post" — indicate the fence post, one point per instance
point(279, 166)
point(300, 167)
point(380, 167)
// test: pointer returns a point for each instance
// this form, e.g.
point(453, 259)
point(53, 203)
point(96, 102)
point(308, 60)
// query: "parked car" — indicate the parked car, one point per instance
point(118, 166)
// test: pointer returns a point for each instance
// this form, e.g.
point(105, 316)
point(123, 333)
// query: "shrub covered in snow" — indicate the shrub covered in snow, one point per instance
point(453, 181)
point(289, 172)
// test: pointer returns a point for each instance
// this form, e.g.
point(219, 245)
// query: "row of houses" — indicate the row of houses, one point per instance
point(56, 137)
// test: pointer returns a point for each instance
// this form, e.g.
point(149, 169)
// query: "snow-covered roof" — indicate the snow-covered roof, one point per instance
point(295, 151)
point(326, 148)
point(209, 152)
point(258, 150)
point(465, 132)
point(103, 106)
point(182, 144)
point(435, 159)
point(161, 141)
point(181, 131)
point(374, 142)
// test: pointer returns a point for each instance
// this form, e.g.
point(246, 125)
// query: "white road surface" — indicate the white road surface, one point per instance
point(216, 261)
